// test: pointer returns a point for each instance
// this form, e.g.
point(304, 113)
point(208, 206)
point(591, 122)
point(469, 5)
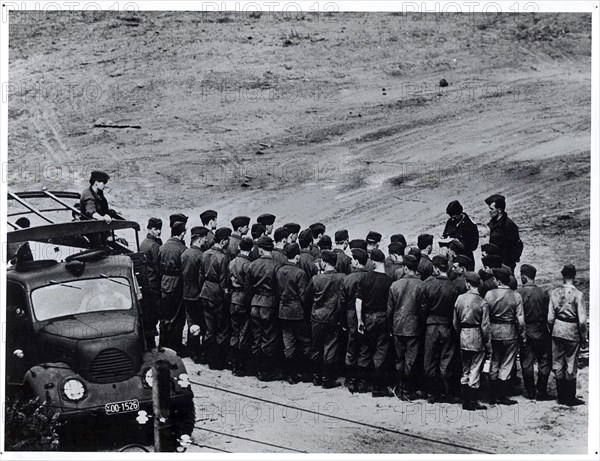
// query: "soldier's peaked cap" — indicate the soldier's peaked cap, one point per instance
point(99, 176)
point(358, 243)
point(341, 235)
point(200, 231)
point(396, 248)
point(240, 221)
point(373, 237)
point(266, 243)
point(154, 223)
point(293, 227)
point(377, 255)
point(177, 217)
point(360, 255)
point(246, 244)
point(454, 207)
point(411, 262)
point(398, 238)
point(266, 219)
point(440, 262)
point(329, 257)
point(207, 215)
point(568, 271)
point(317, 228)
point(280, 234)
point(222, 233)
point(497, 198)
point(292, 250)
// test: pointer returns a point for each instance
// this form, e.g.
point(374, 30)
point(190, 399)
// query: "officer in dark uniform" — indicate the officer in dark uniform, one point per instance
point(373, 239)
point(538, 347)
point(294, 230)
point(149, 248)
point(257, 231)
point(267, 220)
point(209, 220)
point(215, 295)
point(93, 205)
point(344, 262)
point(459, 226)
point(172, 310)
point(190, 268)
point(239, 224)
point(318, 230)
point(323, 297)
point(425, 244)
point(307, 262)
point(241, 333)
point(504, 233)
point(265, 311)
point(281, 238)
point(394, 260)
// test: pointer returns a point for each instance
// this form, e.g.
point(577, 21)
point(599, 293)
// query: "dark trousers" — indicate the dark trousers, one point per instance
point(354, 340)
point(440, 348)
point(296, 338)
point(173, 320)
point(407, 350)
point(241, 338)
point(376, 342)
point(324, 347)
point(194, 313)
point(150, 314)
point(216, 316)
point(265, 331)
point(564, 358)
point(536, 350)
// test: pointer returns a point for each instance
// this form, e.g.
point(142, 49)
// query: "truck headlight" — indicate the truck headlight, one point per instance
point(149, 377)
point(74, 389)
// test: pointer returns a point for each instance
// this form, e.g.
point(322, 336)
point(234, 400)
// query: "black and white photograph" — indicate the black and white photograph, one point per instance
point(299, 228)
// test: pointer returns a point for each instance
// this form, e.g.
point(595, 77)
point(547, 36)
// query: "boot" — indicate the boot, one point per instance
point(305, 374)
point(330, 380)
point(530, 390)
point(493, 391)
point(468, 401)
point(317, 379)
point(560, 391)
point(351, 381)
point(449, 396)
point(542, 389)
point(410, 389)
point(380, 388)
point(502, 391)
point(476, 404)
point(433, 391)
point(399, 389)
point(571, 399)
point(362, 385)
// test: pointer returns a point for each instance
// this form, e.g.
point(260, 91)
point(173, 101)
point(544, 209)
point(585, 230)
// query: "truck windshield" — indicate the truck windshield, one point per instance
point(81, 296)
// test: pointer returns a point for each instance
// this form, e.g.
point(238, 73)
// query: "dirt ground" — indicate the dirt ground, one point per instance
point(331, 118)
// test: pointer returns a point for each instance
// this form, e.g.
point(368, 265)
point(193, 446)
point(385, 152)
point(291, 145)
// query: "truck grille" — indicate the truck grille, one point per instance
point(111, 365)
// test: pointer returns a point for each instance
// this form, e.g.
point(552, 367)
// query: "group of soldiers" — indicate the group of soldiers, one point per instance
point(295, 304)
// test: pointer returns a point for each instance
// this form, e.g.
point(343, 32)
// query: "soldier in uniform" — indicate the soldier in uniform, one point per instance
point(472, 322)
point(190, 269)
point(398, 238)
point(344, 262)
point(267, 220)
point(307, 262)
point(393, 262)
point(406, 309)
point(425, 244)
point(257, 231)
point(504, 233)
point(281, 238)
point(507, 328)
point(239, 224)
point(539, 341)
point(209, 220)
point(371, 314)
point(489, 249)
point(323, 297)
point(262, 278)
point(292, 286)
point(92, 202)
point(567, 318)
point(215, 295)
point(171, 287)
point(325, 243)
point(318, 231)
point(459, 226)
point(294, 230)
point(149, 248)
point(348, 306)
point(440, 346)
point(241, 334)
point(177, 217)
point(459, 267)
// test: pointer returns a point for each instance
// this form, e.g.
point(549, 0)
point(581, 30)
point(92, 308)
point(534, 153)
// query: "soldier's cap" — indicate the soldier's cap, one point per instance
point(246, 244)
point(317, 229)
point(99, 176)
point(207, 216)
point(266, 243)
point(490, 249)
point(257, 230)
point(222, 233)
point(240, 221)
point(440, 262)
point(457, 246)
point(293, 227)
point(199, 231)
point(473, 278)
point(341, 236)
point(360, 255)
point(358, 243)
point(266, 219)
point(398, 238)
point(416, 252)
point(280, 234)
point(178, 228)
point(502, 274)
point(424, 240)
point(453, 208)
point(325, 243)
point(528, 270)
point(291, 250)
point(373, 237)
point(177, 217)
point(492, 261)
point(484, 275)
point(23, 222)
point(568, 271)
point(462, 260)
point(305, 238)
point(396, 248)
point(329, 257)
point(498, 199)
point(377, 255)
point(153, 223)
point(411, 262)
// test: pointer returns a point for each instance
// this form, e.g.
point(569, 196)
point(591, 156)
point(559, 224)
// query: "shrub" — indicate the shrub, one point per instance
point(30, 426)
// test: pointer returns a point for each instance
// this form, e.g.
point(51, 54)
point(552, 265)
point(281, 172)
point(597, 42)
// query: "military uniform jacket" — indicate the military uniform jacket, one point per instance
point(472, 321)
point(567, 312)
point(214, 275)
point(169, 255)
point(407, 306)
point(149, 247)
point(324, 297)
point(343, 264)
point(349, 289)
point(279, 256)
point(190, 269)
point(441, 297)
point(506, 314)
point(391, 267)
point(425, 267)
point(504, 233)
point(535, 309)
point(233, 249)
point(292, 286)
point(464, 230)
point(315, 251)
point(262, 279)
point(238, 272)
point(93, 202)
point(307, 263)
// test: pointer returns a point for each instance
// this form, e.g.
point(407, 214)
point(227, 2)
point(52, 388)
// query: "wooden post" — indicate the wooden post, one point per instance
point(161, 393)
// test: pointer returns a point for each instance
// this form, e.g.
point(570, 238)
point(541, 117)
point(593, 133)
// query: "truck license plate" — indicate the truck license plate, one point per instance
point(121, 407)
